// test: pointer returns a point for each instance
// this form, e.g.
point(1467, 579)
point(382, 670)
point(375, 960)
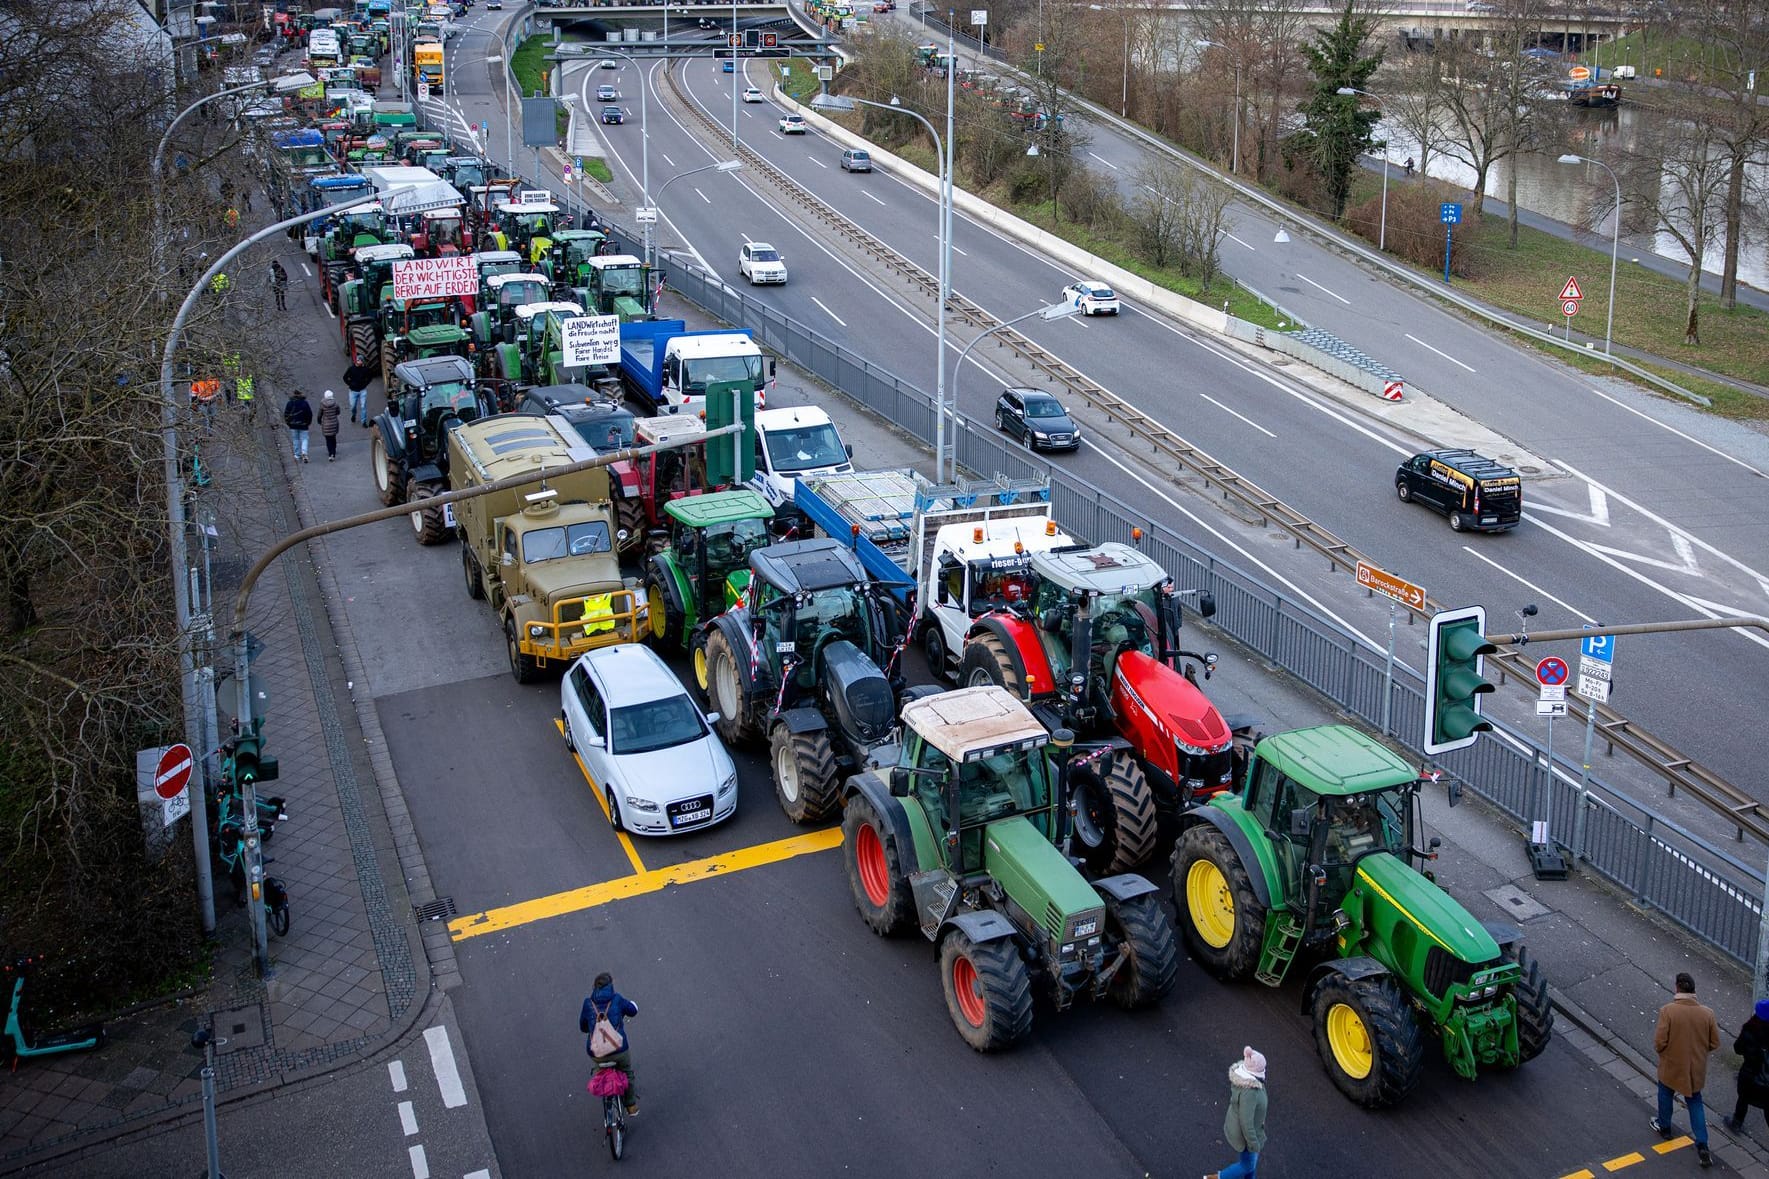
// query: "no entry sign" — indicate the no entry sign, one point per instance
point(172, 774)
point(431, 278)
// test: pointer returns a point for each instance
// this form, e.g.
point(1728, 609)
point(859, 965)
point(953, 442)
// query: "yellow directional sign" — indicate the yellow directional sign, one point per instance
point(1390, 586)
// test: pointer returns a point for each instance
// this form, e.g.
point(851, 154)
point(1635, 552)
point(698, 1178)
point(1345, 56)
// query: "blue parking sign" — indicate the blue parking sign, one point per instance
point(1450, 213)
point(1600, 648)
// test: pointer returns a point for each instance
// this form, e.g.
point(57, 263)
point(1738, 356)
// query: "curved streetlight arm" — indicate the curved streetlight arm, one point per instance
point(160, 151)
point(1053, 311)
point(1615, 241)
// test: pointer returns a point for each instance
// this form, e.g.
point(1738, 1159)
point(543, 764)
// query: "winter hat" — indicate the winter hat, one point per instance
point(1253, 1062)
point(329, 396)
point(1763, 1010)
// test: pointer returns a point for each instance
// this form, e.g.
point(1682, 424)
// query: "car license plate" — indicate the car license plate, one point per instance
point(692, 817)
point(448, 515)
point(1489, 519)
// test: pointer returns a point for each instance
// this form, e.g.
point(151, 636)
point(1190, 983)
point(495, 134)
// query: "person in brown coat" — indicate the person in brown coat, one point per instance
point(1753, 1074)
point(328, 423)
point(1685, 1035)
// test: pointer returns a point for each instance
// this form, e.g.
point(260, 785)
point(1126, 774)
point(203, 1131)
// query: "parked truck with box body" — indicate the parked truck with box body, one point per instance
point(666, 367)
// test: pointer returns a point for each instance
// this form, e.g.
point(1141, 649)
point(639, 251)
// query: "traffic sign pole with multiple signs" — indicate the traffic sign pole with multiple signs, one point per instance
point(1570, 294)
point(1395, 589)
point(1450, 214)
point(1551, 673)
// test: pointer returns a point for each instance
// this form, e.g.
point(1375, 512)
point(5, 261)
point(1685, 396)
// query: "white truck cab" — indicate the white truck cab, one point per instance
point(796, 443)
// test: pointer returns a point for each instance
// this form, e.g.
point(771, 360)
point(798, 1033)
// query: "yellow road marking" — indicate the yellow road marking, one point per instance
point(626, 841)
point(590, 896)
point(1627, 1160)
point(1674, 1144)
point(1579, 1175)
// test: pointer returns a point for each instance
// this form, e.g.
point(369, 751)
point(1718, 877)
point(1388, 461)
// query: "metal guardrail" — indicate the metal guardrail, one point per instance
point(1704, 889)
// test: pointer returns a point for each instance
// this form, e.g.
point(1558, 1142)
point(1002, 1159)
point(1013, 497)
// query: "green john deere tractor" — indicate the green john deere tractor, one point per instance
point(618, 284)
point(808, 660)
point(703, 568)
point(960, 840)
point(360, 298)
point(568, 257)
point(1315, 857)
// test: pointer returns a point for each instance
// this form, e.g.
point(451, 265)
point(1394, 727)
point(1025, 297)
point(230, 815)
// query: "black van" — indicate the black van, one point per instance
point(1474, 492)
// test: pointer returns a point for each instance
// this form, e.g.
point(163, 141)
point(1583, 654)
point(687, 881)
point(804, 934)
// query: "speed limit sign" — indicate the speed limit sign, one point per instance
point(1570, 307)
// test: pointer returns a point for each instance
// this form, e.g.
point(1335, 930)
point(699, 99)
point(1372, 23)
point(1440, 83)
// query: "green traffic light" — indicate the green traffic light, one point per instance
point(1453, 679)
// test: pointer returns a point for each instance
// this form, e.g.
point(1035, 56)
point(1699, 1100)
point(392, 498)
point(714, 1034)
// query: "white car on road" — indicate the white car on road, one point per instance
point(793, 125)
point(645, 744)
point(751, 94)
point(761, 262)
point(1094, 298)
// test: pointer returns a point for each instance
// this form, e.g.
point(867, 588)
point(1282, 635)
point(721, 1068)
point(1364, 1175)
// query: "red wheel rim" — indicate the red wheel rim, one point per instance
point(964, 985)
point(875, 872)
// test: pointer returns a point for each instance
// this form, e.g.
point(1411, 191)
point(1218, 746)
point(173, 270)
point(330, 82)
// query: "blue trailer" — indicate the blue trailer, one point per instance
point(666, 368)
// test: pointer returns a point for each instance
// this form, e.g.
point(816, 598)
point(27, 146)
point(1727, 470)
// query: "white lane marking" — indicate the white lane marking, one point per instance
point(1232, 237)
point(1527, 584)
point(477, 1175)
point(1598, 515)
point(1439, 351)
point(442, 1060)
point(959, 252)
point(1681, 434)
point(666, 158)
point(1105, 161)
point(819, 162)
point(872, 198)
point(408, 1118)
point(1688, 536)
point(1243, 417)
point(420, 1164)
point(306, 271)
point(701, 195)
point(828, 312)
point(396, 1070)
point(1317, 286)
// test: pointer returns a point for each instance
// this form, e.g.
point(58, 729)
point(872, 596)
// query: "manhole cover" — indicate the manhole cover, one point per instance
point(1516, 902)
point(239, 1027)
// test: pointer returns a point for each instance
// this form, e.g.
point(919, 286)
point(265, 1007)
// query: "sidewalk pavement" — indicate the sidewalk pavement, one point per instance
point(357, 969)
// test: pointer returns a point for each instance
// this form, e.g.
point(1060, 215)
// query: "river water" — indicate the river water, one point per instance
point(1569, 192)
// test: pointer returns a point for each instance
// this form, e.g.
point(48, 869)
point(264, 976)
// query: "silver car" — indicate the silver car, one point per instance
point(644, 743)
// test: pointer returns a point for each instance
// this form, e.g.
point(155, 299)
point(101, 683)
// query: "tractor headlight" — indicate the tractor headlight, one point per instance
point(1192, 750)
point(642, 804)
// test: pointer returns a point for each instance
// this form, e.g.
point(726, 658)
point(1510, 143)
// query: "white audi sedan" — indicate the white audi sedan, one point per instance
point(645, 744)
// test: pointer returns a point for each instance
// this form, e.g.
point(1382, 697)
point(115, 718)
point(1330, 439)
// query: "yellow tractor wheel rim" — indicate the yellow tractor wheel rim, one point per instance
point(654, 609)
point(1210, 904)
point(1349, 1037)
point(700, 676)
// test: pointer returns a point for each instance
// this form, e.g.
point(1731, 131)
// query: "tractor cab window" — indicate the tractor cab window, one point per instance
point(827, 615)
point(1002, 784)
point(1292, 821)
point(728, 546)
point(444, 231)
point(575, 540)
point(623, 280)
point(1120, 624)
point(449, 397)
point(515, 294)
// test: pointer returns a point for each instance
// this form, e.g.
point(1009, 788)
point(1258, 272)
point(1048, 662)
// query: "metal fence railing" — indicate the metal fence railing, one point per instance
point(1661, 865)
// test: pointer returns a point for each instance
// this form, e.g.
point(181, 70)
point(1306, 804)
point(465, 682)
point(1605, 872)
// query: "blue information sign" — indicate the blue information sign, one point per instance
point(1450, 213)
point(1600, 648)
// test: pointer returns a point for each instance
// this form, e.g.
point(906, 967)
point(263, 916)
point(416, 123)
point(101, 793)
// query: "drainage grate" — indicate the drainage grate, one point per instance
point(437, 910)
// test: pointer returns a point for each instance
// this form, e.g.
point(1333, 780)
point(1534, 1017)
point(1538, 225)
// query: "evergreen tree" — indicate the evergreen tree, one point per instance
point(1337, 127)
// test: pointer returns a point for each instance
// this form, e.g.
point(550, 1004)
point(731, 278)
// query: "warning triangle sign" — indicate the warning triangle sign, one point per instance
point(1571, 289)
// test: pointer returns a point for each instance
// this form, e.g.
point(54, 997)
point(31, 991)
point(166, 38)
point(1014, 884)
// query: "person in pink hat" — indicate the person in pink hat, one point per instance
point(1244, 1127)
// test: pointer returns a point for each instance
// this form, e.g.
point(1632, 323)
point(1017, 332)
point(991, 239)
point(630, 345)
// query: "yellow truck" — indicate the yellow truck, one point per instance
point(427, 64)
point(541, 554)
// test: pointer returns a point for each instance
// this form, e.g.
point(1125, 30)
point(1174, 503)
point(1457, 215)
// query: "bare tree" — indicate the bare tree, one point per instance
point(1735, 36)
point(1493, 100)
point(1263, 38)
point(1051, 113)
point(1155, 209)
point(1413, 100)
point(1679, 179)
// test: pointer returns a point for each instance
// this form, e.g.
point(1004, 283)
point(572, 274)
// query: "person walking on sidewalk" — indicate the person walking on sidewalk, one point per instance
point(1244, 1125)
point(356, 379)
point(1685, 1035)
point(1753, 1074)
point(328, 423)
point(298, 417)
point(279, 284)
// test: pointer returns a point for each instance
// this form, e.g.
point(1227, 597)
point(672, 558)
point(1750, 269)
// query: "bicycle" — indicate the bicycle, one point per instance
point(230, 850)
point(610, 1084)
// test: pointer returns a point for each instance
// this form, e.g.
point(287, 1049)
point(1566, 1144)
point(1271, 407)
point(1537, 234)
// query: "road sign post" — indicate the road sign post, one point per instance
point(1395, 589)
point(1450, 214)
point(1578, 822)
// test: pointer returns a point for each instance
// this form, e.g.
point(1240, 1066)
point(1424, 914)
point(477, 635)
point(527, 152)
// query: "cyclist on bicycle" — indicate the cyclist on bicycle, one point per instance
point(607, 1003)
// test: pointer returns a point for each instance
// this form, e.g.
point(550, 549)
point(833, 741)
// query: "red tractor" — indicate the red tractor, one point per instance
point(1093, 648)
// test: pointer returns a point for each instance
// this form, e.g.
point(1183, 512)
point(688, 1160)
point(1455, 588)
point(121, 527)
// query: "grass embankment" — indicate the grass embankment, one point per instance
point(528, 62)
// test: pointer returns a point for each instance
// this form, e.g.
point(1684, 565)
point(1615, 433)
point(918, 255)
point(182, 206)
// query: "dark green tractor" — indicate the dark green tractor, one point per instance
point(703, 567)
point(337, 250)
point(618, 284)
point(809, 661)
point(360, 298)
point(567, 262)
point(494, 321)
point(1315, 858)
point(960, 840)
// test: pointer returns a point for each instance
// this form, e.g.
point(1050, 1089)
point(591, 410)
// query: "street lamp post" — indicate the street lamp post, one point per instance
point(1235, 158)
point(175, 521)
point(719, 166)
point(1615, 241)
point(644, 138)
point(736, 73)
point(1124, 89)
point(1053, 311)
point(1382, 234)
point(943, 223)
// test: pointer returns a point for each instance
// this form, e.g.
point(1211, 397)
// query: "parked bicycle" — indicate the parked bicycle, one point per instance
point(610, 1084)
point(20, 1043)
point(230, 850)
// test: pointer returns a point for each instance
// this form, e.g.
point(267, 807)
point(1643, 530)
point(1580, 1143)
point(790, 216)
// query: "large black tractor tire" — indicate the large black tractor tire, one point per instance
point(739, 714)
point(389, 479)
point(365, 348)
point(387, 363)
point(1115, 822)
point(523, 667)
point(475, 587)
point(805, 778)
point(629, 517)
point(988, 992)
point(429, 523)
point(1140, 926)
point(1368, 1038)
point(663, 609)
point(1535, 1015)
point(875, 870)
point(986, 661)
point(933, 645)
point(1223, 922)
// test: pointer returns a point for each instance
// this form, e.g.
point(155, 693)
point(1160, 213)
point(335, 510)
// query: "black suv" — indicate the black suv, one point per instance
point(605, 426)
point(1475, 492)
